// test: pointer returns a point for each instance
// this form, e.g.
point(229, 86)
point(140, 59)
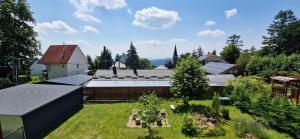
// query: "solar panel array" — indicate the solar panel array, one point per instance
point(77, 80)
point(217, 68)
point(129, 75)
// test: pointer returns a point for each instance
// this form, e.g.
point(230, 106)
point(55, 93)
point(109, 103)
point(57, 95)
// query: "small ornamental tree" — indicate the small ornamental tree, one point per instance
point(188, 79)
point(150, 111)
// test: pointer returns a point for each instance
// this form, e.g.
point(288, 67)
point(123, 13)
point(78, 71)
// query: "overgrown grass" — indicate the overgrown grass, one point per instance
point(109, 121)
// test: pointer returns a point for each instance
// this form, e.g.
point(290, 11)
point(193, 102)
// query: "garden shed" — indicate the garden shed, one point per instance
point(32, 110)
point(290, 87)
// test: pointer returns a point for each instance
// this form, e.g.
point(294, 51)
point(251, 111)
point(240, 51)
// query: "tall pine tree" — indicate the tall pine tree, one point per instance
point(272, 41)
point(235, 39)
point(132, 60)
point(106, 60)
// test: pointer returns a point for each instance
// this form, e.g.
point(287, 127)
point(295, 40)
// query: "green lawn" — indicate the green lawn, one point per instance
point(102, 121)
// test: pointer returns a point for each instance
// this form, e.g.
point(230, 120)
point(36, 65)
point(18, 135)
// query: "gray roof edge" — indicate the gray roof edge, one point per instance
point(25, 113)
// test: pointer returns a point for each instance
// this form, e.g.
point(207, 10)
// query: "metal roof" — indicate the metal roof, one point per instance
point(77, 80)
point(22, 99)
point(217, 68)
point(128, 74)
point(214, 80)
point(220, 79)
point(57, 54)
point(128, 83)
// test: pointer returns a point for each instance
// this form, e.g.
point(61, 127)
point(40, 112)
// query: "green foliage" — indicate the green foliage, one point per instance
point(235, 39)
point(278, 34)
point(253, 96)
point(230, 53)
point(36, 79)
point(188, 79)
point(150, 110)
point(106, 60)
point(215, 106)
point(242, 128)
point(145, 63)
point(243, 60)
point(133, 58)
point(188, 127)
point(267, 66)
point(17, 36)
point(217, 131)
point(225, 114)
point(5, 82)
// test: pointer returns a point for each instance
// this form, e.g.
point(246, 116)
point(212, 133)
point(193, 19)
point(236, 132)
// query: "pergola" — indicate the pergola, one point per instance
point(290, 88)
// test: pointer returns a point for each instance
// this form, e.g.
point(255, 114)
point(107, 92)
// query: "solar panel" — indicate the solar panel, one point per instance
point(77, 80)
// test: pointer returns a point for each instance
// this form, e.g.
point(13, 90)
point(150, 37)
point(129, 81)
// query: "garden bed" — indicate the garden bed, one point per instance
point(135, 119)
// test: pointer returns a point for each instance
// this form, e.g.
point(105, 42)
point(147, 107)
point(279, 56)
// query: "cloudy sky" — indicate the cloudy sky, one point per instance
point(154, 26)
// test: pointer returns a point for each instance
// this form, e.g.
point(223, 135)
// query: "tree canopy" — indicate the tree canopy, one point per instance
point(106, 60)
point(132, 57)
point(145, 63)
point(17, 36)
point(235, 39)
point(188, 79)
point(274, 41)
point(230, 53)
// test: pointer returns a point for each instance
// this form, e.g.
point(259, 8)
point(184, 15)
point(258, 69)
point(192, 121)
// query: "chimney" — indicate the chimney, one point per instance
point(135, 71)
point(115, 70)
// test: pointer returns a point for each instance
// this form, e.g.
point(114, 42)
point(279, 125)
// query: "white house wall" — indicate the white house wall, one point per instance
point(37, 69)
point(77, 63)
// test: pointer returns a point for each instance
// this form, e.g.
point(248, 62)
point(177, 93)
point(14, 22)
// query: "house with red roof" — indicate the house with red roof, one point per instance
point(64, 60)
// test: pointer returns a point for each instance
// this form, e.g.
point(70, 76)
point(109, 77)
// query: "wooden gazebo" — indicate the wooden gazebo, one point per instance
point(290, 87)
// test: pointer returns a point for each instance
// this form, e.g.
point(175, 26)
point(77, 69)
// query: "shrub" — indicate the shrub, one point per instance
point(216, 105)
point(225, 114)
point(215, 132)
point(188, 127)
point(242, 128)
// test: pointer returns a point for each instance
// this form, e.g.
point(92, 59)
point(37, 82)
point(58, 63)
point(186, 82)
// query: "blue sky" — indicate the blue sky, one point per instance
point(154, 26)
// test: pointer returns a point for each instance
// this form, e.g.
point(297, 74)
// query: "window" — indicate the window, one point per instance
point(77, 66)
point(63, 66)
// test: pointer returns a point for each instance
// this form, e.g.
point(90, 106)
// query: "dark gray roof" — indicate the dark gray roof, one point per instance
point(77, 80)
point(128, 74)
point(203, 57)
point(220, 79)
point(217, 68)
point(22, 99)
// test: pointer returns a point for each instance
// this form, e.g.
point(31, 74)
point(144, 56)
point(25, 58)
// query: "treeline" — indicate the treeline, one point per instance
point(278, 56)
point(106, 61)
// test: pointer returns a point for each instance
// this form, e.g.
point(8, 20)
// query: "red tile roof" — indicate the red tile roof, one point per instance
point(57, 54)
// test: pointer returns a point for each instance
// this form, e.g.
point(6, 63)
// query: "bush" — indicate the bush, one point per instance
point(215, 106)
point(188, 127)
point(242, 128)
point(215, 132)
point(225, 114)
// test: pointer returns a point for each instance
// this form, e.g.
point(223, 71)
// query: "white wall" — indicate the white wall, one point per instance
point(77, 58)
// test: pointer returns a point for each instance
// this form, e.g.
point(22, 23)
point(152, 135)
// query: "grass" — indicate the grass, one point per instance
point(108, 121)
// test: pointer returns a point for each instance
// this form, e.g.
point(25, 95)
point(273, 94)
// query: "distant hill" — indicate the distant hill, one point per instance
point(158, 62)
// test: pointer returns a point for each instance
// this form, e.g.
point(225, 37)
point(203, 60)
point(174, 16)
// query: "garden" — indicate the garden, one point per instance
point(248, 112)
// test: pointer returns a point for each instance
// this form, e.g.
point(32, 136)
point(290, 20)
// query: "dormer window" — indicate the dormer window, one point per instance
point(77, 66)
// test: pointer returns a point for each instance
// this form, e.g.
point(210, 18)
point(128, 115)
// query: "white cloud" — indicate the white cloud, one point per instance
point(210, 23)
point(86, 17)
point(90, 5)
point(159, 43)
point(155, 18)
point(84, 8)
point(231, 12)
point(211, 33)
point(54, 26)
point(90, 29)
